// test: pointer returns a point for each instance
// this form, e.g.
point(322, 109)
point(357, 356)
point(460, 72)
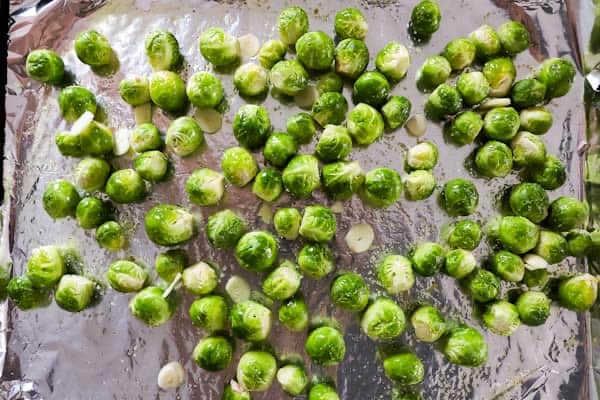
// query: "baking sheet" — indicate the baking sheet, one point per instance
point(104, 353)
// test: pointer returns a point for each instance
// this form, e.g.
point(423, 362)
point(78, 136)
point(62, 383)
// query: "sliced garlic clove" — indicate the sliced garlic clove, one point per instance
point(360, 238)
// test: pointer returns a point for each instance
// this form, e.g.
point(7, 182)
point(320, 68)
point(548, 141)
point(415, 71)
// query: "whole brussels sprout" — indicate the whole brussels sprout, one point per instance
point(74, 293)
point(473, 87)
point(329, 82)
point(434, 71)
point(213, 353)
point(460, 197)
point(487, 42)
point(293, 314)
point(460, 53)
point(96, 139)
point(427, 258)
point(23, 294)
point(443, 101)
point(224, 229)
point(493, 159)
point(550, 175)
point(234, 391)
point(200, 278)
point(393, 61)
point(528, 92)
point(302, 127)
point(238, 166)
point(267, 184)
point(169, 225)
point(219, 47)
point(125, 186)
point(429, 324)
point(250, 321)
point(465, 346)
point(323, 391)
point(205, 187)
point(566, 213)
point(579, 292)
point(110, 236)
point(151, 307)
point(301, 175)
point(579, 242)
point(533, 308)
point(501, 123)
point(184, 136)
point(528, 150)
point(395, 274)
point(204, 90)
point(514, 37)
point(73, 101)
point(537, 120)
point(45, 266)
point(404, 368)
point(465, 234)
point(460, 263)
point(92, 48)
point(326, 346)
point(126, 276)
point(315, 50)
point(287, 222)
point(251, 80)
point(483, 286)
point(257, 251)
point(330, 108)
point(279, 148)
point(529, 200)
point(167, 90)
point(316, 260)
point(351, 58)
point(502, 318)
point(271, 52)
point(371, 88)
point(152, 165)
point(283, 282)
point(383, 320)
point(162, 50)
point(518, 234)
point(500, 73)
point(256, 370)
point(68, 145)
point(210, 313)
point(508, 266)
point(45, 66)
point(350, 23)
point(551, 246)
point(252, 126)
point(289, 77)
point(145, 137)
point(293, 379)
point(558, 75)
point(91, 174)
point(135, 90)
point(382, 187)
point(349, 291)
point(170, 263)
point(292, 24)
point(422, 156)
point(91, 212)
point(318, 224)
point(419, 185)
point(396, 111)
point(425, 19)
point(342, 179)
point(60, 199)
point(365, 124)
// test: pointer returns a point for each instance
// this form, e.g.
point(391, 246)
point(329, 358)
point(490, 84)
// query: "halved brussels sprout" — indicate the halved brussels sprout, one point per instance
point(514, 37)
point(68, 145)
point(287, 222)
point(167, 90)
point(169, 225)
point(518, 234)
point(383, 320)
point(210, 313)
point(45, 66)
point(396, 111)
point(334, 144)
point(558, 75)
point(330, 108)
point(325, 346)
point(152, 165)
point(473, 87)
point(302, 127)
point(494, 159)
point(349, 291)
point(502, 318)
point(350, 23)
point(292, 23)
point(170, 263)
point(45, 266)
point(329, 82)
point(60, 199)
point(419, 185)
point(566, 213)
point(528, 92)
point(268, 184)
point(460, 263)
point(257, 251)
point(92, 48)
point(365, 124)
point(219, 47)
point(395, 274)
point(162, 50)
point(465, 346)
point(251, 80)
point(382, 187)
point(533, 308)
point(151, 307)
point(204, 90)
point(184, 136)
point(425, 19)
point(283, 282)
point(434, 71)
point(460, 197)
point(205, 187)
point(315, 50)
point(250, 321)
point(293, 314)
point(500, 73)
point(301, 175)
point(393, 61)
point(371, 88)
point(422, 156)
point(125, 186)
point(429, 324)
point(74, 293)
point(145, 137)
point(443, 101)
point(234, 391)
point(271, 52)
point(427, 258)
point(224, 229)
point(529, 200)
point(213, 353)
point(24, 295)
point(404, 368)
point(316, 260)
point(318, 224)
point(483, 286)
point(110, 236)
point(289, 77)
point(279, 148)
point(579, 292)
point(238, 166)
point(91, 212)
point(342, 179)
point(351, 58)
point(460, 53)
point(73, 101)
point(126, 276)
point(579, 242)
point(501, 123)
point(537, 120)
point(552, 247)
point(200, 278)
point(551, 175)
point(323, 391)
point(252, 126)
point(528, 150)
point(487, 42)
point(508, 266)
point(96, 139)
point(256, 371)
point(465, 234)
point(135, 90)
point(293, 379)
point(91, 174)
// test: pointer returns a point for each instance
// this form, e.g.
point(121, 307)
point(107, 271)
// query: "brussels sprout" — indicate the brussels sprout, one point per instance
point(460, 53)
point(349, 291)
point(428, 323)
point(514, 37)
point(351, 58)
point(396, 111)
point(460, 263)
point(92, 48)
point(318, 224)
point(500, 73)
point(427, 258)
point(508, 266)
point(465, 346)
point(169, 225)
point(152, 165)
point(293, 314)
point(238, 166)
point(96, 139)
point(91, 173)
point(209, 313)
point(4, 280)
point(289, 77)
point(213, 353)
point(579, 292)
point(283, 282)
point(558, 75)
point(91, 212)
point(473, 87)
point(60, 199)
point(251, 80)
point(302, 127)
point(579, 242)
point(528, 92)
point(422, 156)
point(536, 278)
point(323, 391)
point(382, 187)
point(551, 175)
point(316, 260)
point(444, 100)
point(170, 263)
point(151, 307)
point(434, 71)
point(287, 222)
point(533, 308)
point(326, 346)
point(200, 278)
point(464, 234)
point(394, 273)
point(250, 321)
point(419, 185)
point(271, 52)
point(529, 200)
point(135, 90)
point(45, 66)
point(125, 186)
point(267, 184)
point(371, 88)
point(383, 320)
point(224, 229)
point(68, 145)
point(73, 101)
point(162, 50)
point(280, 147)
point(329, 82)
point(184, 136)
point(528, 150)
point(301, 175)
point(234, 391)
point(404, 368)
point(351, 23)
point(293, 379)
point(365, 124)
point(334, 144)
point(145, 137)
point(518, 234)
point(205, 187)
point(393, 61)
point(483, 286)
point(292, 24)
point(501, 123)
point(342, 179)
point(167, 90)
point(537, 120)
point(460, 197)
point(204, 90)
point(425, 19)
point(487, 42)
point(330, 108)
point(493, 159)
point(45, 266)
point(126, 276)
point(219, 47)
point(252, 126)
point(552, 247)
point(74, 293)
point(23, 294)
point(256, 371)
point(315, 50)
point(257, 251)
point(110, 236)
point(566, 213)
point(502, 318)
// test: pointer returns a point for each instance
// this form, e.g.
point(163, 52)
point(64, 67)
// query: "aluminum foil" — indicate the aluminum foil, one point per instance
point(104, 353)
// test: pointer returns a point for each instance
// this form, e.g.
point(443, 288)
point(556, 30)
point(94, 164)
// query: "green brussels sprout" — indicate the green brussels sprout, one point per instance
point(74, 293)
point(219, 47)
point(283, 282)
point(210, 313)
point(483, 286)
point(184, 136)
point(145, 137)
point(318, 224)
point(351, 58)
point(293, 314)
point(537, 120)
point(224, 229)
point(126, 276)
point(427, 258)
point(329, 82)
point(302, 127)
point(465, 346)
point(170, 263)
point(350, 23)
point(395, 274)
point(252, 126)
point(528, 92)
point(287, 222)
point(465, 234)
point(419, 185)
point(96, 139)
point(528, 150)
point(579, 242)
point(501, 123)
point(4, 280)
point(289, 77)
point(558, 75)
point(393, 61)
point(566, 213)
point(135, 90)
point(204, 90)
point(502, 318)
point(383, 320)
point(473, 87)
point(500, 73)
point(536, 278)
point(251, 80)
point(487, 42)
point(205, 187)
point(429, 324)
point(494, 159)
point(425, 19)
point(271, 52)
point(422, 156)
point(342, 179)
point(444, 100)
point(434, 71)
point(579, 292)
point(200, 278)
point(326, 346)
point(371, 88)
point(234, 391)
point(459, 263)
point(110, 236)
point(551, 246)
point(152, 165)
point(73, 101)
point(279, 148)
point(250, 321)
point(167, 90)
point(257, 251)
point(293, 379)
point(330, 108)
point(349, 291)
point(323, 391)
point(45, 266)
point(162, 50)
point(460, 197)
point(91, 174)
point(533, 308)
point(551, 175)
point(315, 50)
point(382, 187)
point(460, 53)
point(301, 175)
point(267, 184)
point(529, 200)
point(23, 294)
point(92, 48)
point(125, 186)
point(316, 260)
point(91, 212)
point(151, 307)
point(45, 66)
point(365, 124)
point(213, 353)
point(404, 368)
point(514, 37)
point(508, 266)
point(396, 111)
point(60, 199)
point(238, 166)
point(518, 234)
point(292, 23)
point(169, 225)
point(68, 145)
point(256, 370)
